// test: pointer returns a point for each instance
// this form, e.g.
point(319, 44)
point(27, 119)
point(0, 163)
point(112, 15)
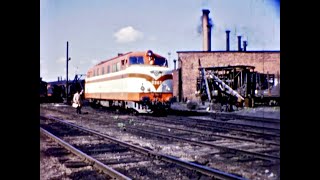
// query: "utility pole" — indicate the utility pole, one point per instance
point(67, 61)
point(169, 53)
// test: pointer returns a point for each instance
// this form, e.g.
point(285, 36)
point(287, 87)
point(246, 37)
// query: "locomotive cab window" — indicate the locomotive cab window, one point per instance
point(160, 61)
point(136, 60)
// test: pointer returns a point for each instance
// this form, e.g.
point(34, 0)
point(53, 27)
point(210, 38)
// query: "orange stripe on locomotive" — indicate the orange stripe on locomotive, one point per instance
point(121, 63)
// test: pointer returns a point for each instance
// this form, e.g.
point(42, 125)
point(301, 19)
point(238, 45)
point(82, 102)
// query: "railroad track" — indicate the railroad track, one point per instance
point(198, 140)
point(245, 118)
point(202, 143)
point(195, 122)
point(86, 158)
point(209, 123)
point(146, 161)
point(232, 132)
point(263, 126)
point(258, 155)
point(213, 158)
point(205, 133)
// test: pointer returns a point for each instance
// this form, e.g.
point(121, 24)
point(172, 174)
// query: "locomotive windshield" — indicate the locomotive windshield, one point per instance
point(136, 60)
point(160, 61)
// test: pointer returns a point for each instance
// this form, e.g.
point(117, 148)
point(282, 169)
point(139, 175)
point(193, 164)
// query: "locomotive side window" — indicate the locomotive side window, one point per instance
point(136, 60)
point(89, 74)
point(118, 66)
point(113, 68)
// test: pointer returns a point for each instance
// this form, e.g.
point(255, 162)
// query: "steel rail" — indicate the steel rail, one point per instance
point(249, 118)
point(219, 127)
point(214, 135)
point(94, 162)
point(254, 154)
point(236, 124)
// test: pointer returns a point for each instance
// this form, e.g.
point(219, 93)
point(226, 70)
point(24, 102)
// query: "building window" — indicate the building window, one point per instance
point(97, 71)
point(108, 70)
point(102, 70)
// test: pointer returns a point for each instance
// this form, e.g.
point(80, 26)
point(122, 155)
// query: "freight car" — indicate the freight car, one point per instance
point(140, 82)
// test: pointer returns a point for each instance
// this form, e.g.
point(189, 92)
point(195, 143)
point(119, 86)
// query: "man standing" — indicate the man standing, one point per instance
point(77, 101)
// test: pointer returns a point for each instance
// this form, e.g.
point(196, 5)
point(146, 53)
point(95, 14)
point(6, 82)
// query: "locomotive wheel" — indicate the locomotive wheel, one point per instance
point(94, 104)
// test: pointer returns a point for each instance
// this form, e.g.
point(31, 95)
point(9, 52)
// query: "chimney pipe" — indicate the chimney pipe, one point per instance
point(239, 43)
point(228, 40)
point(206, 30)
point(245, 45)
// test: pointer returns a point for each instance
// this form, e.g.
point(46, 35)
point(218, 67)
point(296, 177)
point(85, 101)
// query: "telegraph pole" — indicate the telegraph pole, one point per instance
point(169, 53)
point(67, 61)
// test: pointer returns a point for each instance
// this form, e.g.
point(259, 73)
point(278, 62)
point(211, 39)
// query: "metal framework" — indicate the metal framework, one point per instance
point(233, 85)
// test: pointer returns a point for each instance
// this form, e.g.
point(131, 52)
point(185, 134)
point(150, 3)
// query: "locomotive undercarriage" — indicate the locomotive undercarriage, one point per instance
point(134, 107)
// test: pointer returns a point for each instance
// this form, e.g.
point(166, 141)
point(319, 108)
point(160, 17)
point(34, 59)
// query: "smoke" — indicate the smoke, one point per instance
point(199, 27)
point(211, 23)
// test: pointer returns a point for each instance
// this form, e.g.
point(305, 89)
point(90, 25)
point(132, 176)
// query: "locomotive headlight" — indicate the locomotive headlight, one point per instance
point(168, 88)
point(142, 88)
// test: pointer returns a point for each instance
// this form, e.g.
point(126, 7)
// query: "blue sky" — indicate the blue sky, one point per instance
point(100, 29)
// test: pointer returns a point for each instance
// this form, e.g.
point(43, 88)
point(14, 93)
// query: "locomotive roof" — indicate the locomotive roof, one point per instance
point(125, 54)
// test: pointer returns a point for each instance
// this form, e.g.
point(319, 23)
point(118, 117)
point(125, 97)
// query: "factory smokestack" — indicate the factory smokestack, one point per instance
point(206, 30)
point(228, 40)
point(245, 45)
point(239, 43)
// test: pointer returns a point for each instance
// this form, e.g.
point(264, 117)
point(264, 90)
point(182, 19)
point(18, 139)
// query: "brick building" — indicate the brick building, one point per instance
point(185, 76)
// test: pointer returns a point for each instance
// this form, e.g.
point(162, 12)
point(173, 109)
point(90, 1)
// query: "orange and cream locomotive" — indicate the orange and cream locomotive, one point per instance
point(138, 81)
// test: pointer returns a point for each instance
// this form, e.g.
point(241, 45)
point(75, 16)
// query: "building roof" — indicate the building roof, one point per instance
point(228, 67)
point(235, 51)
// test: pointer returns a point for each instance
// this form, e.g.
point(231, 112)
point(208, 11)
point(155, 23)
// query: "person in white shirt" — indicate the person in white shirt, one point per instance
point(77, 101)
